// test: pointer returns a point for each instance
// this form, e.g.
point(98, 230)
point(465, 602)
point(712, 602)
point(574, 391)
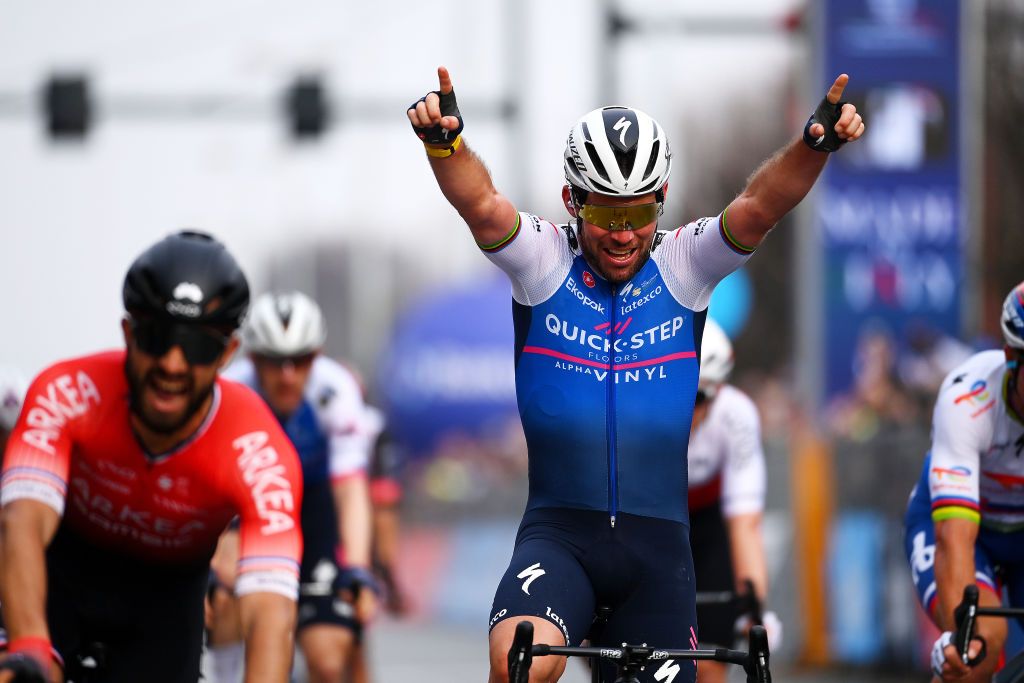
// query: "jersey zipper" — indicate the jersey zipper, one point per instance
point(613, 473)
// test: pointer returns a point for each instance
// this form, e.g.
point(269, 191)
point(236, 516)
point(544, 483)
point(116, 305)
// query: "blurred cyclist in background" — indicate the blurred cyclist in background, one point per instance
point(608, 315)
point(965, 520)
point(320, 406)
point(122, 472)
point(12, 393)
point(726, 499)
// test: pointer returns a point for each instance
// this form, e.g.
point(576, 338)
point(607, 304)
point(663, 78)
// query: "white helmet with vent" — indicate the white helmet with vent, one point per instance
point(284, 324)
point(716, 356)
point(13, 386)
point(617, 151)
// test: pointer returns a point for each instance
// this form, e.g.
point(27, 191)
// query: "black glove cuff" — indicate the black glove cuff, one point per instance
point(436, 135)
point(827, 114)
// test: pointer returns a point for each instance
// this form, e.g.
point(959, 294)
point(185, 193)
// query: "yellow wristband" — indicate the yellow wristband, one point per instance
point(442, 152)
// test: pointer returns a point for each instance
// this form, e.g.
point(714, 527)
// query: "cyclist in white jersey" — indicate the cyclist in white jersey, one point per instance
point(727, 483)
point(965, 519)
point(320, 406)
point(608, 315)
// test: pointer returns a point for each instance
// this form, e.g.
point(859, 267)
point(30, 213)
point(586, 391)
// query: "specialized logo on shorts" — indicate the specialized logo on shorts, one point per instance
point(668, 672)
point(531, 574)
point(588, 279)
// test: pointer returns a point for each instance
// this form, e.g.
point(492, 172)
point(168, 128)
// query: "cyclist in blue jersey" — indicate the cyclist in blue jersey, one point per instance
point(608, 317)
point(319, 403)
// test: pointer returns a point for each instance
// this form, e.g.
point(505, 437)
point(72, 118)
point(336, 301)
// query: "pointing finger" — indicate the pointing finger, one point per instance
point(444, 80)
point(835, 93)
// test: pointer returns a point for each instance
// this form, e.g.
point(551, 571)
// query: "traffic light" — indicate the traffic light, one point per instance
point(68, 106)
point(307, 108)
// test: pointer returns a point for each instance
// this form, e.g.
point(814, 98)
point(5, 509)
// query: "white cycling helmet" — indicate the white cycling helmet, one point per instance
point(617, 151)
point(716, 357)
point(284, 324)
point(13, 386)
point(1012, 319)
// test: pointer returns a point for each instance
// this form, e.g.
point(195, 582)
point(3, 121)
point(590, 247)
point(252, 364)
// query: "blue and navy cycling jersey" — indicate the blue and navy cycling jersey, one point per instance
point(606, 374)
point(331, 429)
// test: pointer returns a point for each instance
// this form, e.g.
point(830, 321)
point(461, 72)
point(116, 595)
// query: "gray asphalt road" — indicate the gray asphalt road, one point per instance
point(423, 652)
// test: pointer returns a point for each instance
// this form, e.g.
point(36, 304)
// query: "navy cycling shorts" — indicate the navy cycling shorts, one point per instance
point(566, 563)
point(318, 599)
point(998, 556)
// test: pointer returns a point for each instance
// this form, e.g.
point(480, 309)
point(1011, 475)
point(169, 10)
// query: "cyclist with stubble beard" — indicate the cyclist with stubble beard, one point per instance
point(121, 473)
point(608, 317)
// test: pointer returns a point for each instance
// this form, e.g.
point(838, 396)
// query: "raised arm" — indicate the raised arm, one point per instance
point(781, 182)
point(460, 173)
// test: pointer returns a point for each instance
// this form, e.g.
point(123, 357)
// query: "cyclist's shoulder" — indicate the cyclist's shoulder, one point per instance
point(335, 392)
point(975, 380)
point(75, 386)
point(734, 405)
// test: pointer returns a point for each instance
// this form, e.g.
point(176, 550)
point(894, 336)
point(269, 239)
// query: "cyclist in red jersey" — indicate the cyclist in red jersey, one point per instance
point(121, 473)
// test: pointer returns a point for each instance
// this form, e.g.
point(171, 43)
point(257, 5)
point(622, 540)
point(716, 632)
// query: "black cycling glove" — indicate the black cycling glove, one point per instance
point(436, 135)
point(24, 668)
point(827, 114)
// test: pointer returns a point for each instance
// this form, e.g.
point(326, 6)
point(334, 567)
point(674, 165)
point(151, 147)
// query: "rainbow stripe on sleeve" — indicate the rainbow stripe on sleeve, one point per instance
point(504, 241)
point(731, 241)
point(953, 507)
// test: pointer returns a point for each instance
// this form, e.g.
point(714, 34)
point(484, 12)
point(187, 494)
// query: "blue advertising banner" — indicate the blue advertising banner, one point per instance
point(890, 208)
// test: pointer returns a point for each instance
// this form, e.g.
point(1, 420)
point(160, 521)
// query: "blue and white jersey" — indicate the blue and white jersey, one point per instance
point(606, 375)
point(329, 429)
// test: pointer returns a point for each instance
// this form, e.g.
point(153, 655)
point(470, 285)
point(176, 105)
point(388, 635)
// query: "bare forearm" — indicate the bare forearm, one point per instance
point(467, 186)
point(268, 622)
point(748, 558)
point(954, 566)
point(23, 584)
point(355, 519)
point(774, 189)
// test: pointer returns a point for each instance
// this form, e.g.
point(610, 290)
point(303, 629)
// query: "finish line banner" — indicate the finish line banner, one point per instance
point(890, 211)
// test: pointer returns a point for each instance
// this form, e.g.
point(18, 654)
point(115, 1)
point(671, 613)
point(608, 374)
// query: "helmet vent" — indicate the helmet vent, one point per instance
point(586, 133)
point(655, 149)
point(598, 166)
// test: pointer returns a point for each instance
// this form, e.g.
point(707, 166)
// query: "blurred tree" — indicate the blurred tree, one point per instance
point(1002, 253)
point(728, 149)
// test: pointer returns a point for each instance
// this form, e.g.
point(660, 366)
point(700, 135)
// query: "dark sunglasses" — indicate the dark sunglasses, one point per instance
point(201, 345)
point(298, 362)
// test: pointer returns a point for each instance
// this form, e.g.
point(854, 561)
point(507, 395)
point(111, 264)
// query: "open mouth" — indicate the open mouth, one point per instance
point(620, 255)
point(167, 392)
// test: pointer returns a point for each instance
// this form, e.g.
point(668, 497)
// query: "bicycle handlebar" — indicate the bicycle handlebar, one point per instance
point(965, 615)
point(754, 661)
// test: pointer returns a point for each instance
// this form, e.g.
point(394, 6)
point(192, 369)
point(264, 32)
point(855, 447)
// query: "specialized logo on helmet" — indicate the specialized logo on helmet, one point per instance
point(623, 129)
point(622, 125)
point(187, 297)
point(577, 159)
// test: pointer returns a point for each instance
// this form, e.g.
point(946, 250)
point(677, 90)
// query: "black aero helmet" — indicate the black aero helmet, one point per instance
point(188, 277)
